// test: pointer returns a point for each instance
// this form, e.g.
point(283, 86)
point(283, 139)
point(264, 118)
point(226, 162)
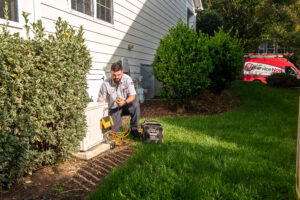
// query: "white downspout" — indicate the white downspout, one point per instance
point(37, 10)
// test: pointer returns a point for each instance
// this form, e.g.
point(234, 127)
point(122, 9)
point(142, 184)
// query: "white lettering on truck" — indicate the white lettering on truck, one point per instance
point(252, 68)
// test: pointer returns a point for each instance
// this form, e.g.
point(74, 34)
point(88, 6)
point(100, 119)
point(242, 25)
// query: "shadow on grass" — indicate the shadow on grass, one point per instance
point(267, 118)
point(179, 170)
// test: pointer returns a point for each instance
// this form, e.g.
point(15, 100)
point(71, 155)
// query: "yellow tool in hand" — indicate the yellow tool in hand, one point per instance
point(118, 99)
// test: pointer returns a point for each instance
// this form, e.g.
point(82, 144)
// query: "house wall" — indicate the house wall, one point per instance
point(141, 23)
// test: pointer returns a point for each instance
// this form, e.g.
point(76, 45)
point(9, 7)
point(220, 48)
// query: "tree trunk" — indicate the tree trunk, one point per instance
point(298, 157)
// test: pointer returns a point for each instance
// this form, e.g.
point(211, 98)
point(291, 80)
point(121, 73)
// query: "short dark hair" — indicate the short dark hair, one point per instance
point(117, 66)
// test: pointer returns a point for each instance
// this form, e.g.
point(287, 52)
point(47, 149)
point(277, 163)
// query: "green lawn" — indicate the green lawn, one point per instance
point(247, 153)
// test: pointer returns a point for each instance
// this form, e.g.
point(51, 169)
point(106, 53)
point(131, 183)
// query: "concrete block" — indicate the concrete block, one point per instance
point(94, 112)
point(92, 152)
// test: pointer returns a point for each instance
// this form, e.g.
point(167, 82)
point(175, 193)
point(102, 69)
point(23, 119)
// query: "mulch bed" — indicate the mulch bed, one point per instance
point(208, 103)
point(75, 179)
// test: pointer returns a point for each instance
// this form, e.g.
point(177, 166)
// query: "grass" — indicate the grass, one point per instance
point(247, 153)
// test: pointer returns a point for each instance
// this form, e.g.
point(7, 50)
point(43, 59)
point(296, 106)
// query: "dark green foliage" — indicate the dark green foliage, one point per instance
point(282, 80)
point(182, 64)
point(209, 21)
point(43, 94)
point(228, 58)
point(13, 158)
point(294, 47)
point(257, 21)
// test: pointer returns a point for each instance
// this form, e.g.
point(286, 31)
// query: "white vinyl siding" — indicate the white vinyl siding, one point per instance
point(140, 24)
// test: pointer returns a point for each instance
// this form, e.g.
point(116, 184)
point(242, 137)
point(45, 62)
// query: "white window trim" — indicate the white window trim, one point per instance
point(95, 10)
point(13, 24)
point(89, 17)
point(37, 10)
point(190, 7)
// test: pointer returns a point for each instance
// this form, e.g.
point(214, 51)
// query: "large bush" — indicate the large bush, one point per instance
point(182, 64)
point(282, 80)
point(209, 21)
point(228, 59)
point(43, 94)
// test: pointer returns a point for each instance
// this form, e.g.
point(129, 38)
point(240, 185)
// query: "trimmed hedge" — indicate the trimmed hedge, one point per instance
point(282, 80)
point(182, 63)
point(187, 63)
point(43, 94)
point(228, 59)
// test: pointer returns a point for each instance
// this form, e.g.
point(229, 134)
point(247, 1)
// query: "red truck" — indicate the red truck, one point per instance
point(258, 67)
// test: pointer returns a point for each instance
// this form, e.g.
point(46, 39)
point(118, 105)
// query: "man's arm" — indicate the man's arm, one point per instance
point(102, 94)
point(130, 99)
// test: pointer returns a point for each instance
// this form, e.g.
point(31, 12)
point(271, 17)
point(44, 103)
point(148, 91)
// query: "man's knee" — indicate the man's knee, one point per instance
point(116, 116)
point(134, 107)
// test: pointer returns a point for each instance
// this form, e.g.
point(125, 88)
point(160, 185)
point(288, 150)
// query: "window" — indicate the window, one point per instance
point(12, 10)
point(290, 70)
point(84, 6)
point(104, 10)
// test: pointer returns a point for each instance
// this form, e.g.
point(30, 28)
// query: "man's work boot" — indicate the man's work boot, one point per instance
point(135, 133)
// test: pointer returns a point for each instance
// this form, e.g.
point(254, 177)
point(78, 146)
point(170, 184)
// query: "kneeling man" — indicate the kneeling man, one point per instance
point(120, 86)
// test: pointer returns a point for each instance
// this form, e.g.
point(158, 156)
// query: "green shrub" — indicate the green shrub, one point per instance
point(209, 21)
point(228, 59)
point(182, 64)
point(43, 94)
point(282, 80)
point(13, 151)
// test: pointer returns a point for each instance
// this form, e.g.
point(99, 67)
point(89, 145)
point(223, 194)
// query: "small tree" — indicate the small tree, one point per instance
point(182, 64)
point(227, 57)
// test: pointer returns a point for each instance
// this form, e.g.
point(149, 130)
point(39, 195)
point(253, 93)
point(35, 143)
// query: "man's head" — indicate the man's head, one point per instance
point(116, 71)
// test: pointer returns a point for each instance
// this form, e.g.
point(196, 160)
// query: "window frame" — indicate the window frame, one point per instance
point(92, 8)
point(94, 16)
point(292, 69)
point(111, 10)
point(13, 24)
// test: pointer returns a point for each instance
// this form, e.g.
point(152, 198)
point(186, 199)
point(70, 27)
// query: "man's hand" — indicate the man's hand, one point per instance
point(127, 101)
point(121, 103)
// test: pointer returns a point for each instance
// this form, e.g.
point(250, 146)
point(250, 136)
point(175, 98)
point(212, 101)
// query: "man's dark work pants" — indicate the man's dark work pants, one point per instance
point(132, 109)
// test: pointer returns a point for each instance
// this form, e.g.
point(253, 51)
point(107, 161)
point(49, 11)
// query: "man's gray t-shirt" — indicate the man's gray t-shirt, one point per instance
point(109, 90)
